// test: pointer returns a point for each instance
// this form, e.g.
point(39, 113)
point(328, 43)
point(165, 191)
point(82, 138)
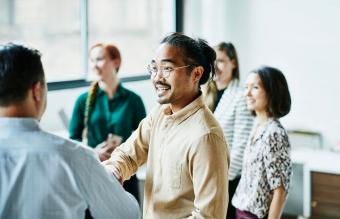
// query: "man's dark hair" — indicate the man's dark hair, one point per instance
point(276, 87)
point(20, 68)
point(195, 53)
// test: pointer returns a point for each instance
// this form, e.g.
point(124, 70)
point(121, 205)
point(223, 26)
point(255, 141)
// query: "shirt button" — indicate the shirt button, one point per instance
point(166, 124)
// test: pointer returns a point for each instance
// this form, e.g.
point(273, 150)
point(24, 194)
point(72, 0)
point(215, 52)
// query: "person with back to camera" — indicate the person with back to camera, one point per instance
point(43, 176)
point(107, 114)
point(180, 141)
point(225, 98)
point(267, 165)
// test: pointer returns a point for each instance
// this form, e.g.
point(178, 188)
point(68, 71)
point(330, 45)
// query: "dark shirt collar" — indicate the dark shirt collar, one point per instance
point(120, 93)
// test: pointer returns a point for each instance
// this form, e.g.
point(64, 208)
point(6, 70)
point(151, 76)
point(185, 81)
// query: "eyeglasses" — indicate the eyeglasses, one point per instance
point(165, 70)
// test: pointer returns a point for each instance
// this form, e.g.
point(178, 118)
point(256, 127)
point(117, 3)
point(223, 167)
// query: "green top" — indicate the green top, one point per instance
point(120, 116)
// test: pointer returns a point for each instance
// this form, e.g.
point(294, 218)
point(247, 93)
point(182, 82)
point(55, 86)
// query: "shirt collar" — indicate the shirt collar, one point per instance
point(15, 123)
point(121, 91)
point(184, 113)
point(263, 129)
point(232, 85)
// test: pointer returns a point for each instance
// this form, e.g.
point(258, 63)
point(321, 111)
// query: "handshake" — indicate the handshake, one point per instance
point(105, 148)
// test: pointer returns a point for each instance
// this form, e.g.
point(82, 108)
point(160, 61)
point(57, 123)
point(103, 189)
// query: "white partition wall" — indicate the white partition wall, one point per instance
point(300, 37)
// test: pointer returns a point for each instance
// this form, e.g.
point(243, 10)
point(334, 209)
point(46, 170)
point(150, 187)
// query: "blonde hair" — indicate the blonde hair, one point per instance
point(91, 97)
point(209, 91)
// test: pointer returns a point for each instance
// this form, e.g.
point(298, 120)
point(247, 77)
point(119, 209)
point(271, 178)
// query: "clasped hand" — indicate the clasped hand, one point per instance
point(105, 148)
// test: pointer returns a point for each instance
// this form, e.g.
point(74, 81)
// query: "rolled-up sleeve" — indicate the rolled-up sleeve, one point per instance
point(133, 153)
point(209, 161)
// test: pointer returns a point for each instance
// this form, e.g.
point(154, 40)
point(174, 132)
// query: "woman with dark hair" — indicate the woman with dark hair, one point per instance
point(267, 165)
point(107, 114)
point(224, 97)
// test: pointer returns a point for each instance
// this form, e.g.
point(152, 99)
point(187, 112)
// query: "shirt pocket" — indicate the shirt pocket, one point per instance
point(176, 176)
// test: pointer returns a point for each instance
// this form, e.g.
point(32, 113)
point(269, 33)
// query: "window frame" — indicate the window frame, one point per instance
point(84, 16)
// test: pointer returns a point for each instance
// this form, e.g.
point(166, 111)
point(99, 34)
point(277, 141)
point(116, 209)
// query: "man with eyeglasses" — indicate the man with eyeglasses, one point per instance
point(181, 143)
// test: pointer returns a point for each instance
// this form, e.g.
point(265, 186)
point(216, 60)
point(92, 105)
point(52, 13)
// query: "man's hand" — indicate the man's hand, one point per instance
point(110, 168)
point(105, 148)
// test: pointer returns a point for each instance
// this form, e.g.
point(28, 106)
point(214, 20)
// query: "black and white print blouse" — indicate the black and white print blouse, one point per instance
point(266, 166)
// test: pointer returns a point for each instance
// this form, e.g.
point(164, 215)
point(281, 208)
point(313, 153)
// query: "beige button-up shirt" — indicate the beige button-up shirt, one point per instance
point(187, 162)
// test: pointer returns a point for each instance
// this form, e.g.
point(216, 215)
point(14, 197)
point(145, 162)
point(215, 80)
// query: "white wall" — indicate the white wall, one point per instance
point(300, 37)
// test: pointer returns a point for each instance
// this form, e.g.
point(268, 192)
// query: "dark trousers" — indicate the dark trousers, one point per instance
point(231, 214)
point(246, 215)
point(130, 186)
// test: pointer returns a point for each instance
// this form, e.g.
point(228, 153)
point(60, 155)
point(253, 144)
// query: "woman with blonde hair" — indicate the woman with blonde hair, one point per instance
point(224, 97)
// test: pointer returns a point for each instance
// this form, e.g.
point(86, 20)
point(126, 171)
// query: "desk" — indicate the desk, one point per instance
point(306, 161)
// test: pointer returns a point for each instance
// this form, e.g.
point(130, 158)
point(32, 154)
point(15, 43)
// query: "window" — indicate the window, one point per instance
point(134, 26)
point(63, 31)
point(53, 27)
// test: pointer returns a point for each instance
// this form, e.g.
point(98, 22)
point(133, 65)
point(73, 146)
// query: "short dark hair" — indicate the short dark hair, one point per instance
point(195, 53)
point(20, 68)
point(276, 87)
point(229, 49)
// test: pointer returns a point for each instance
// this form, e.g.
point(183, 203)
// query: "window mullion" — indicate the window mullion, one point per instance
point(84, 36)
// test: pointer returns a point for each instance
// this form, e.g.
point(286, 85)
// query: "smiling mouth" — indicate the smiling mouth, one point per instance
point(250, 100)
point(162, 89)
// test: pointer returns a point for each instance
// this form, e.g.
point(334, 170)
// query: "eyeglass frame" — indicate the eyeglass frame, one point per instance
point(165, 73)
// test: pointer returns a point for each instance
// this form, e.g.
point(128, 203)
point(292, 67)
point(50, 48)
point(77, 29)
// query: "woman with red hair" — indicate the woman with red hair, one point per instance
point(107, 113)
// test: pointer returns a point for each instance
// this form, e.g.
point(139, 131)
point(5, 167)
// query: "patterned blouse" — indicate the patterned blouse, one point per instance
point(266, 166)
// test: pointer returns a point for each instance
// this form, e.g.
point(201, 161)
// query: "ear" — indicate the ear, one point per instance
point(197, 73)
point(37, 91)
